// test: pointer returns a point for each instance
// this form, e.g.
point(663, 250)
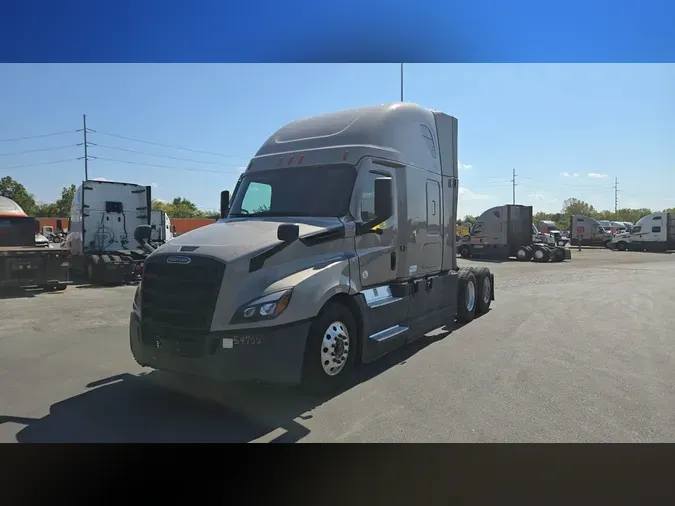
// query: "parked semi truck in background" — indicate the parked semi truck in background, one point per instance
point(288, 289)
point(507, 231)
point(588, 231)
point(550, 228)
point(103, 217)
point(162, 229)
point(654, 232)
point(26, 258)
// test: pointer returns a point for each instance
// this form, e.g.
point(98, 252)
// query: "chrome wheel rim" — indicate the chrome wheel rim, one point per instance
point(521, 254)
point(335, 348)
point(486, 290)
point(539, 254)
point(470, 295)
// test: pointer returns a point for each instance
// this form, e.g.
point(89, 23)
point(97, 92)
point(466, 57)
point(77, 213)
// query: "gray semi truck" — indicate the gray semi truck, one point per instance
point(507, 231)
point(337, 247)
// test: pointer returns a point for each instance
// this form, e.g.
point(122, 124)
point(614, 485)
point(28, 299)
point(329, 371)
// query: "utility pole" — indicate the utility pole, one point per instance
point(616, 194)
point(401, 82)
point(85, 144)
point(513, 181)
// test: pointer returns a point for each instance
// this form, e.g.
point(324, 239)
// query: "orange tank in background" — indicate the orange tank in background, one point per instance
point(9, 208)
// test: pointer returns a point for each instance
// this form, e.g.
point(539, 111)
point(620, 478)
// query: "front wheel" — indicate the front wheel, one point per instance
point(621, 246)
point(330, 352)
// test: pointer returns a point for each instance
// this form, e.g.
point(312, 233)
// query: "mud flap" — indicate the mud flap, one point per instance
point(568, 254)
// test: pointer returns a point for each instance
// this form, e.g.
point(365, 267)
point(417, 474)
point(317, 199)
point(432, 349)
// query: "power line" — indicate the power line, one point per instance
point(37, 136)
point(222, 173)
point(39, 150)
point(170, 146)
point(163, 156)
point(40, 163)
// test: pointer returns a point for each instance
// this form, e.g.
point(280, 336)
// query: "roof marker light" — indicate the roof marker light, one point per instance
point(290, 160)
point(302, 155)
point(345, 154)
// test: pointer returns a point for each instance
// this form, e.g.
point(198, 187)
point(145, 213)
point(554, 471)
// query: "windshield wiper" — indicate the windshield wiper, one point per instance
point(264, 214)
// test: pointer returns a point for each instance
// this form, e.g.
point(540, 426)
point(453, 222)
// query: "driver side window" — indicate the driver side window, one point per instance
point(366, 207)
point(258, 198)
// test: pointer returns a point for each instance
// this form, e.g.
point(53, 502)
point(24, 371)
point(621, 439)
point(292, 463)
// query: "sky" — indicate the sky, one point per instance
point(568, 130)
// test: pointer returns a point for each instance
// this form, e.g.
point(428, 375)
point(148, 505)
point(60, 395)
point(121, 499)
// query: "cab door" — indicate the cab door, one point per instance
point(376, 250)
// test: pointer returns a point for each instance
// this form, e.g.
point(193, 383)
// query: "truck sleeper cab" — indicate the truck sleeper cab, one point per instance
point(654, 232)
point(336, 247)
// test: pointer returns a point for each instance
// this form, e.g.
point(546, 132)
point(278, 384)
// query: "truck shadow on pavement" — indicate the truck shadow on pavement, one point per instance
point(159, 407)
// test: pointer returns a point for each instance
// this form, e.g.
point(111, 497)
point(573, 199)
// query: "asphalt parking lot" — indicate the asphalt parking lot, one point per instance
point(581, 351)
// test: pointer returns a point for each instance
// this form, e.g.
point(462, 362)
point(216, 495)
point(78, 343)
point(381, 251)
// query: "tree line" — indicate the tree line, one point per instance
point(574, 206)
point(179, 207)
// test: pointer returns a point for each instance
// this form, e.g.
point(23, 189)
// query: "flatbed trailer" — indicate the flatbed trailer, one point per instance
point(26, 266)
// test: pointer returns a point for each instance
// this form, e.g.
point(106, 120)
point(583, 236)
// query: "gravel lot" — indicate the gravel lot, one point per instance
point(578, 351)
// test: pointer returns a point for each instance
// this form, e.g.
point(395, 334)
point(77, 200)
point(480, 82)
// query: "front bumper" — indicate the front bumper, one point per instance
point(273, 355)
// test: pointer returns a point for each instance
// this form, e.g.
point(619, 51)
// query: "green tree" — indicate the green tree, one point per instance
point(17, 192)
point(65, 202)
point(179, 207)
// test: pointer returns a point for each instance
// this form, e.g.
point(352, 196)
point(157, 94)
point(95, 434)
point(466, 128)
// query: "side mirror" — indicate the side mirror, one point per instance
point(224, 203)
point(59, 225)
point(142, 233)
point(384, 199)
point(288, 233)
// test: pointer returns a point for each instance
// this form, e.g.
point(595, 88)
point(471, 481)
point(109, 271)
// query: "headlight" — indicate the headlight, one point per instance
point(264, 308)
point(137, 299)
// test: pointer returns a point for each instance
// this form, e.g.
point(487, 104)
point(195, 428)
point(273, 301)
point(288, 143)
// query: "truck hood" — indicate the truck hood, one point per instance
point(622, 235)
point(231, 240)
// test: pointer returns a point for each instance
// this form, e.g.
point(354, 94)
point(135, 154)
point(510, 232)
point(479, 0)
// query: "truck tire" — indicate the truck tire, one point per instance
point(484, 285)
point(464, 251)
point(541, 254)
point(608, 244)
point(621, 246)
point(92, 269)
point(523, 254)
point(559, 254)
point(330, 352)
point(466, 300)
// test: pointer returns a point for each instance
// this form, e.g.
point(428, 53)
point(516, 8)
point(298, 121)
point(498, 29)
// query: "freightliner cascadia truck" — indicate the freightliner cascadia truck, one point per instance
point(336, 248)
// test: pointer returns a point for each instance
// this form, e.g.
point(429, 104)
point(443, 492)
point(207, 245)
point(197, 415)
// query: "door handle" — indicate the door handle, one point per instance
point(392, 260)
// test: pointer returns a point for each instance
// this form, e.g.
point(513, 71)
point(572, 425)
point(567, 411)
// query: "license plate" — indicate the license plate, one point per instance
point(228, 342)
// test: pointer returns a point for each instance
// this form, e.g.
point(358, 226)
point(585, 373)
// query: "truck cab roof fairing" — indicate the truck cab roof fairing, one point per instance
point(383, 130)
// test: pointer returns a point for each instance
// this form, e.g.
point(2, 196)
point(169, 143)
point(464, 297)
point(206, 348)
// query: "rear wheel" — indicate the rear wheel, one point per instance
point(541, 255)
point(466, 301)
point(330, 352)
point(484, 285)
point(93, 266)
point(523, 254)
point(464, 251)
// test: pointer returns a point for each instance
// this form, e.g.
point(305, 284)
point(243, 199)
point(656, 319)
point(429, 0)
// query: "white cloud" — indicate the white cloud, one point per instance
point(462, 166)
point(596, 175)
point(567, 174)
point(543, 198)
point(575, 174)
point(466, 194)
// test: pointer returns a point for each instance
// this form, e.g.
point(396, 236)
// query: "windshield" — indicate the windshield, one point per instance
point(317, 191)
